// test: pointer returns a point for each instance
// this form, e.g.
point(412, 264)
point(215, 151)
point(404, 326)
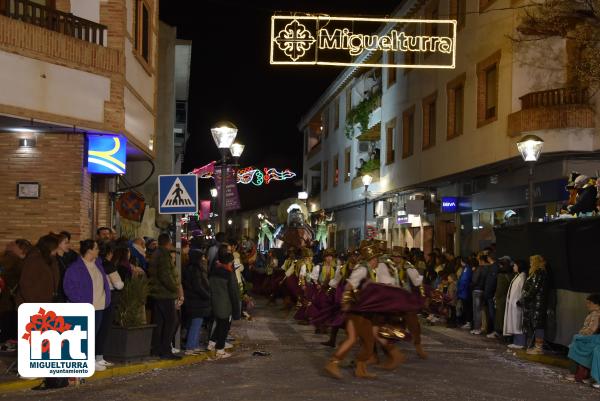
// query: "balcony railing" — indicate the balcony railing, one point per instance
point(555, 97)
point(49, 18)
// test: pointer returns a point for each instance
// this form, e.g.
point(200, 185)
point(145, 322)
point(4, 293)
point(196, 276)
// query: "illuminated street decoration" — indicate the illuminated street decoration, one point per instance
point(106, 154)
point(251, 175)
point(257, 177)
point(294, 40)
point(326, 40)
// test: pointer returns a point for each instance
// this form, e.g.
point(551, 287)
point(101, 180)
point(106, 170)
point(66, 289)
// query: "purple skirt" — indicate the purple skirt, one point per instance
point(323, 300)
point(330, 314)
point(292, 287)
point(306, 299)
point(273, 285)
point(382, 298)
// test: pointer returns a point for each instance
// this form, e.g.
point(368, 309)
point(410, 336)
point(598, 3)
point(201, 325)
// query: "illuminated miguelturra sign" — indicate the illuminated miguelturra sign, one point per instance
point(325, 40)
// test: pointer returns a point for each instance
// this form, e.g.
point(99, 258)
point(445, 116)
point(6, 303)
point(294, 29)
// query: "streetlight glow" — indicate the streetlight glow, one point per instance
point(224, 133)
point(530, 147)
point(236, 149)
point(230, 222)
point(303, 195)
point(367, 179)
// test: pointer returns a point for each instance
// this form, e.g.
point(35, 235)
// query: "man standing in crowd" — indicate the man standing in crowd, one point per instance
point(214, 249)
point(103, 234)
point(138, 252)
point(164, 289)
point(69, 255)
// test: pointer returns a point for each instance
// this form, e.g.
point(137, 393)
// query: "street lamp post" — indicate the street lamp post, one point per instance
point(213, 193)
point(366, 180)
point(224, 134)
point(530, 147)
point(236, 150)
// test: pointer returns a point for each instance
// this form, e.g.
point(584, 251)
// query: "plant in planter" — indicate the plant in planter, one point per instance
point(360, 114)
point(131, 337)
point(369, 166)
point(132, 302)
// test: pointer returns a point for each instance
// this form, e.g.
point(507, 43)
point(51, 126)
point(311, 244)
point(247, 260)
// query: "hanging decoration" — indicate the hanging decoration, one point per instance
point(249, 175)
point(348, 41)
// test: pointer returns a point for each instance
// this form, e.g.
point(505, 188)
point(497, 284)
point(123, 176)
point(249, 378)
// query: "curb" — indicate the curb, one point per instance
point(117, 371)
point(551, 360)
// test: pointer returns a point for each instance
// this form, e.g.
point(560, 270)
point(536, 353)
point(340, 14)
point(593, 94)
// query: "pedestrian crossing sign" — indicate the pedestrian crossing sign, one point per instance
point(178, 194)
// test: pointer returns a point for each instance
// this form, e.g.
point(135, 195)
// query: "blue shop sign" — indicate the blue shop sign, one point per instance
point(402, 220)
point(449, 204)
point(106, 154)
point(454, 204)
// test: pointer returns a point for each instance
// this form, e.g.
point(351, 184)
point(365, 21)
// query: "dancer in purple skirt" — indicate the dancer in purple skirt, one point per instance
point(323, 296)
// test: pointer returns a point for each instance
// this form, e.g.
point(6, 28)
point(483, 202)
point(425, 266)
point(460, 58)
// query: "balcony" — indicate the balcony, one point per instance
point(313, 151)
point(51, 19)
point(552, 109)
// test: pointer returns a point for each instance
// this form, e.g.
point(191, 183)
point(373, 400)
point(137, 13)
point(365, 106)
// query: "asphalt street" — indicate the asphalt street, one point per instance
point(460, 367)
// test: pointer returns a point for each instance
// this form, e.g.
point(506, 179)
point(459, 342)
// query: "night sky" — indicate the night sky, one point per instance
point(232, 80)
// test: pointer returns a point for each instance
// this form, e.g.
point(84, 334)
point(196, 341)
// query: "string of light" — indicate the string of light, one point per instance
point(252, 175)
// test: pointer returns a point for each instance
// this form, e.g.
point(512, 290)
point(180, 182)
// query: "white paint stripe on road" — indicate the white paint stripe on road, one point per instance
point(462, 336)
point(257, 330)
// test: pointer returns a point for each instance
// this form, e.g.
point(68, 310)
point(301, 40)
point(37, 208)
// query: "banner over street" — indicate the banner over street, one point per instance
point(325, 40)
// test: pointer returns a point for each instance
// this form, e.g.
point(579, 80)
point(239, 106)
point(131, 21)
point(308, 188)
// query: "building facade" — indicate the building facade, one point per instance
point(73, 68)
point(445, 134)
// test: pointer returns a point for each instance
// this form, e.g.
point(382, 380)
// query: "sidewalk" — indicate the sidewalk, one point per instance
point(548, 358)
point(15, 384)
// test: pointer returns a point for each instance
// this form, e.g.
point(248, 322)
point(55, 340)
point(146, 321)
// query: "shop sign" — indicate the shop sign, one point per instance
point(454, 204)
point(326, 40)
point(402, 220)
point(106, 154)
point(449, 204)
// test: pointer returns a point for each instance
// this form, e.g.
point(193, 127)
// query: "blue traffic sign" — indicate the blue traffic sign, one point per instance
point(177, 194)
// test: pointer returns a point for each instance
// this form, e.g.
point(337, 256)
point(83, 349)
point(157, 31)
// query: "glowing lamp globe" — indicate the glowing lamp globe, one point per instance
point(213, 192)
point(236, 149)
point(367, 179)
point(530, 147)
point(224, 133)
point(303, 195)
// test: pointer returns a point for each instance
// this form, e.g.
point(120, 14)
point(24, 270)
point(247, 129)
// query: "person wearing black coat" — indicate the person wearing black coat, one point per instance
point(489, 292)
point(225, 298)
point(534, 303)
point(196, 290)
point(477, 286)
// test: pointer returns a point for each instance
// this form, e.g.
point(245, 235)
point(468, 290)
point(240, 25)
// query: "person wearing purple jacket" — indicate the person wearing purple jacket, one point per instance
point(465, 302)
point(86, 282)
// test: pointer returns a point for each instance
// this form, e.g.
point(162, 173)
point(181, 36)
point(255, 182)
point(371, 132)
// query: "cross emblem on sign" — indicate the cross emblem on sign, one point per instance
point(294, 40)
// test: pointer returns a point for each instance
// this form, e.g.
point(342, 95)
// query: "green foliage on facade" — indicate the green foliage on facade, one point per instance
point(360, 114)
